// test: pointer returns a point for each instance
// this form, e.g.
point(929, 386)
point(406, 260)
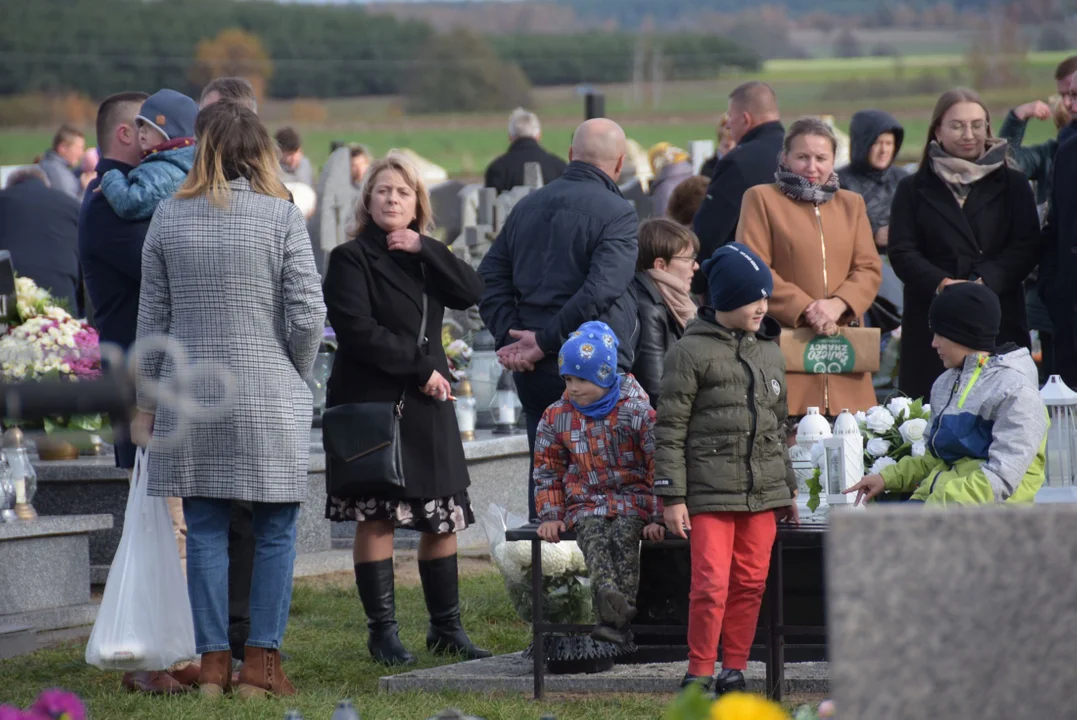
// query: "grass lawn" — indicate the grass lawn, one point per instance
point(327, 643)
point(326, 640)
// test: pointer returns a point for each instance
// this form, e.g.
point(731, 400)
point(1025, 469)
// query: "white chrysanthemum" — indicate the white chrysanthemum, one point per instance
point(881, 464)
point(556, 559)
point(877, 447)
point(913, 430)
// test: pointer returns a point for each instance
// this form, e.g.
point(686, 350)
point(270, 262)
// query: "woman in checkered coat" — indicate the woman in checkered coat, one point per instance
point(228, 276)
point(374, 290)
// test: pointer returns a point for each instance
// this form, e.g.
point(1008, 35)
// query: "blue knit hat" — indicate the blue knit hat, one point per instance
point(737, 277)
point(591, 353)
point(171, 112)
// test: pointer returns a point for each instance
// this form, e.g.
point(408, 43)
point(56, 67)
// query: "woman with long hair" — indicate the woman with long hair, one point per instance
point(376, 287)
point(817, 240)
point(964, 216)
point(228, 278)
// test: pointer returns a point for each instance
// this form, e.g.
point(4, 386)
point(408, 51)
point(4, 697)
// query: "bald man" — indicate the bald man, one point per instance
point(565, 256)
point(754, 123)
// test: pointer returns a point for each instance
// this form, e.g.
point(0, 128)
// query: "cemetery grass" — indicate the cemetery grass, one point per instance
point(326, 642)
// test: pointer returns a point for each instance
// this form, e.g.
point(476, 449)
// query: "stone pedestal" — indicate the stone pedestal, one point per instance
point(45, 576)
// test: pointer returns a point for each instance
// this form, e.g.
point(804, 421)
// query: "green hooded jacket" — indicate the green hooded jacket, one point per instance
point(720, 433)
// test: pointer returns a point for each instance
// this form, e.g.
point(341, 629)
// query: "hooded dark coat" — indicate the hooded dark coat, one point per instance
point(876, 186)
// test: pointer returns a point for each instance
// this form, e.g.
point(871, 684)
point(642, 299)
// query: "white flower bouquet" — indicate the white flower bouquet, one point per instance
point(891, 432)
point(566, 588)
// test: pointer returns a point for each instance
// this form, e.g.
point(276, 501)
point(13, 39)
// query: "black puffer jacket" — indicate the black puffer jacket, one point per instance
point(876, 186)
point(658, 330)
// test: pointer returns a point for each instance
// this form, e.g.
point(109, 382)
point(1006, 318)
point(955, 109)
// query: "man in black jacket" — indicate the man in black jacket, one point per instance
point(565, 256)
point(507, 171)
point(755, 127)
point(40, 227)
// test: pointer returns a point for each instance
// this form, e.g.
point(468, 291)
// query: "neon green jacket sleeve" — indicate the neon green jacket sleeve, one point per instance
point(910, 472)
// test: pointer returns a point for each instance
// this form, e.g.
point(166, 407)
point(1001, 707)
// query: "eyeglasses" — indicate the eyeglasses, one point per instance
point(689, 258)
point(978, 126)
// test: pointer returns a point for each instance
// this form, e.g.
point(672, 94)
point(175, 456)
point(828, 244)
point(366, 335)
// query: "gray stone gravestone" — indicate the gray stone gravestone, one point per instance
point(448, 215)
point(967, 614)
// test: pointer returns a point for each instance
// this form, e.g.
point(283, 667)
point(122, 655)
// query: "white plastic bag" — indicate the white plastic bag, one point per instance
point(144, 622)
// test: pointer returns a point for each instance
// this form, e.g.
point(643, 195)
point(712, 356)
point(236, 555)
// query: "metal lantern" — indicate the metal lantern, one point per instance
point(465, 410)
point(505, 405)
point(23, 475)
point(1061, 405)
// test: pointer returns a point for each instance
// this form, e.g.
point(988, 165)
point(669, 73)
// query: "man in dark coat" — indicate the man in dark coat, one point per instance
point(565, 256)
point(39, 226)
point(1058, 265)
point(755, 127)
point(507, 171)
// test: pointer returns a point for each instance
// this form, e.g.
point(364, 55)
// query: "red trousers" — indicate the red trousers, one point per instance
point(730, 564)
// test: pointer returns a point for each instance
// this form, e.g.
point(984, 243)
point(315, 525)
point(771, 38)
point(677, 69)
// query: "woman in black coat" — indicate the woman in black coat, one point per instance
point(965, 216)
point(664, 270)
point(374, 289)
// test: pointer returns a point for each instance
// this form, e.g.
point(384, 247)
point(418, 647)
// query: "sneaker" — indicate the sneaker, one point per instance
point(706, 682)
point(730, 681)
point(607, 633)
point(614, 608)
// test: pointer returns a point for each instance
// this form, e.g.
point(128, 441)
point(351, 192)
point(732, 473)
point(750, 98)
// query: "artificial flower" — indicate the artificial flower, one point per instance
point(913, 430)
point(881, 464)
point(899, 406)
point(919, 448)
point(877, 447)
point(879, 420)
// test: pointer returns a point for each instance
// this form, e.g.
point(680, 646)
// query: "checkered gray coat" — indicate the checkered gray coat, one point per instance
point(236, 287)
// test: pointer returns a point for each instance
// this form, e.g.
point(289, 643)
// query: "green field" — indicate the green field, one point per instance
point(677, 112)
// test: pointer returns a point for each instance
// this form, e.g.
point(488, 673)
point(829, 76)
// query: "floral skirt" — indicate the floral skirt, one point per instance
point(438, 515)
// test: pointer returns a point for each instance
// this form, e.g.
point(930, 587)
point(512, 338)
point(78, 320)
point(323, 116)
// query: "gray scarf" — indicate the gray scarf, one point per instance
point(799, 188)
point(960, 175)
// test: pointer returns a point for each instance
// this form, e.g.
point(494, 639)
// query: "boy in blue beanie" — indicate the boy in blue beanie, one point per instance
point(721, 464)
point(594, 473)
point(166, 134)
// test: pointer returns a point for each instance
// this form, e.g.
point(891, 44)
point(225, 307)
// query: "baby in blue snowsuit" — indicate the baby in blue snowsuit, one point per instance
point(166, 134)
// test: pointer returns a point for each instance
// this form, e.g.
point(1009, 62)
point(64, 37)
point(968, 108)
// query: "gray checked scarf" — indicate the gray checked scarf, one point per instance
point(960, 175)
point(799, 188)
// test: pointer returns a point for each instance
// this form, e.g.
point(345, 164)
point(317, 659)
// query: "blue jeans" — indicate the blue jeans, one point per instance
point(208, 520)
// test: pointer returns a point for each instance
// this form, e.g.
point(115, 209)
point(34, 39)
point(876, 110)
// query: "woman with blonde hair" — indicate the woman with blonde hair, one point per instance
point(229, 279)
point(817, 240)
point(379, 287)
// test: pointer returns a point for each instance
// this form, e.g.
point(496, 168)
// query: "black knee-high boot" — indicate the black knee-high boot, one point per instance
point(377, 591)
point(441, 588)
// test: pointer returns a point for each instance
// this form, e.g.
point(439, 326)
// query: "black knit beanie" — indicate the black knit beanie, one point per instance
point(967, 313)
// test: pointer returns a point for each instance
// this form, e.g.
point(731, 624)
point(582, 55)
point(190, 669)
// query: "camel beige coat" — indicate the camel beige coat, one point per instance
point(815, 253)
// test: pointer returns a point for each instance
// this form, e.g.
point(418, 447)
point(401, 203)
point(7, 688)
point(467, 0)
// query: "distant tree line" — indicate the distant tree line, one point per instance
point(98, 47)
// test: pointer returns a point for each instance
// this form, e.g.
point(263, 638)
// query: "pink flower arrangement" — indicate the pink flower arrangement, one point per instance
point(50, 705)
point(52, 344)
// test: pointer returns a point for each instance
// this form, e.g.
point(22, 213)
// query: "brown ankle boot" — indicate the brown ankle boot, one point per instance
point(215, 675)
point(261, 675)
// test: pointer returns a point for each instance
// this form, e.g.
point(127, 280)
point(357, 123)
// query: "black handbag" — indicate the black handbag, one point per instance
point(362, 443)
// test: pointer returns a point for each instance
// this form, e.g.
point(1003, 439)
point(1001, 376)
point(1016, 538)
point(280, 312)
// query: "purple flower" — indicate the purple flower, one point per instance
point(10, 712)
point(58, 705)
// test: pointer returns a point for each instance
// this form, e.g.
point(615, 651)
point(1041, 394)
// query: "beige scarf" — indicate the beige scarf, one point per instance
point(960, 175)
point(674, 292)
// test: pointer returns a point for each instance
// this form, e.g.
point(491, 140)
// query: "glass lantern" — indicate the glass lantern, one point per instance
point(23, 475)
point(1061, 404)
point(505, 405)
point(7, 493)
point(484, 372)
point(465, 410)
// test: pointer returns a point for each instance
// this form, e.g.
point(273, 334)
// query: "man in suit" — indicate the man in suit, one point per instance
point(507, 171)
point(758, 133)
point(39, 227)
point(565, 256)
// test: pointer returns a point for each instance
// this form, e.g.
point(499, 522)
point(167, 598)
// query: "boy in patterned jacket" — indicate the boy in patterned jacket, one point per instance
point(594, 473)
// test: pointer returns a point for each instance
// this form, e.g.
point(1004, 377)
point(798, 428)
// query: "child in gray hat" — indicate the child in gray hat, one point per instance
point(166, 134)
